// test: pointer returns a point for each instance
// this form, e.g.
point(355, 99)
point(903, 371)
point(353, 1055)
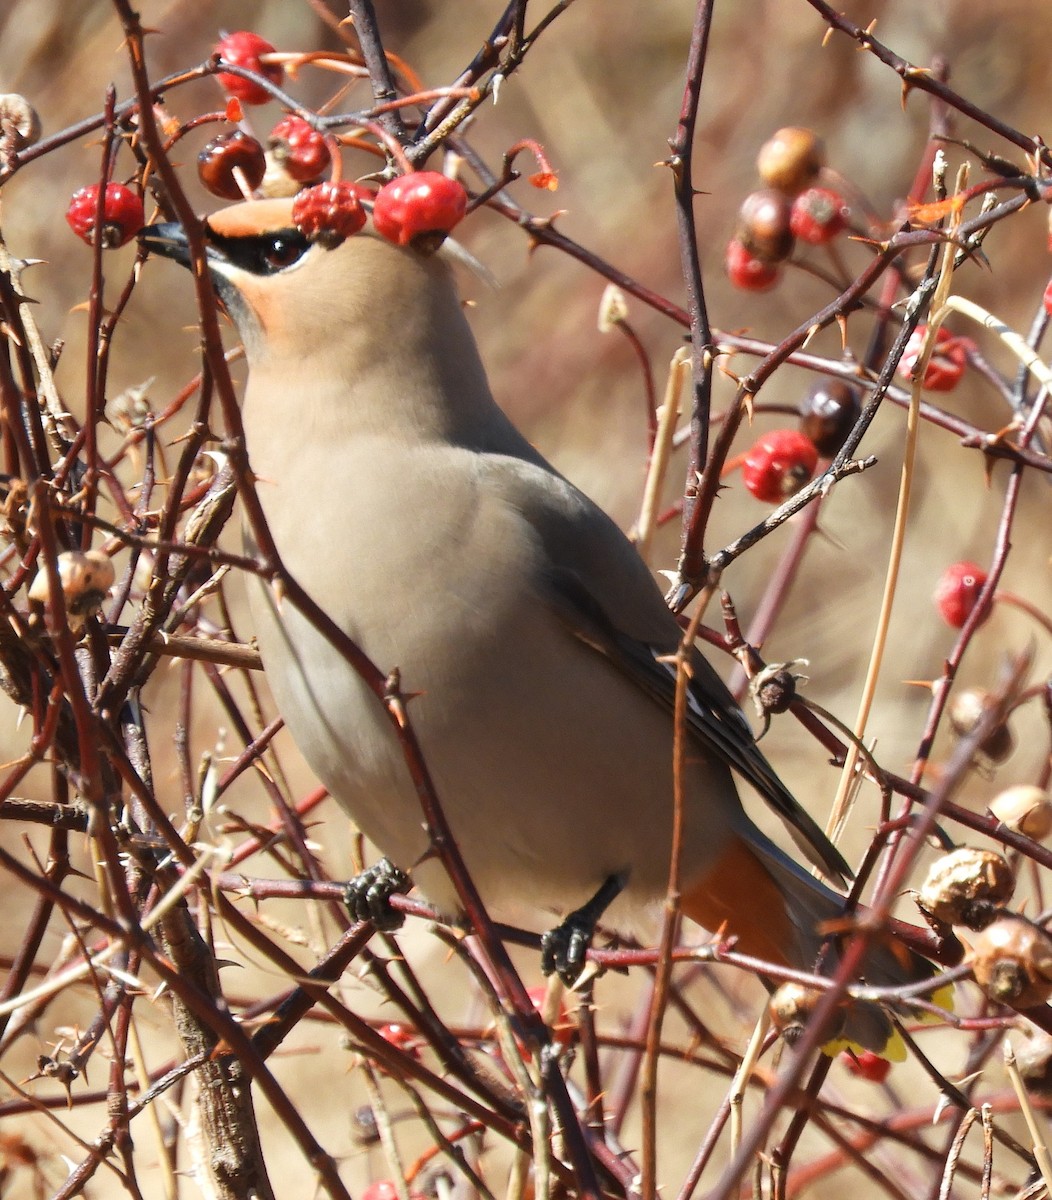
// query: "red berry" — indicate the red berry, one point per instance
point(380, 1189)
point(947, 363)
point(957, 591)
point(779, 465)
point(866, 1064)
point(817, 216)
point(122, 214)
point(229, 153)
point(300, 149)
point(790, 159)
point(402, 1037)
point(747, 271)
point(1047, 298)
point(828, 413)
point(422, 205)
point(330, 212)
point(243, 49)
point(763, 226)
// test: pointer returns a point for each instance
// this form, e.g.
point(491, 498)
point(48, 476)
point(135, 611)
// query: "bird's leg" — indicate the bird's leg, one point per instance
point(563, 948)
point(368, 895)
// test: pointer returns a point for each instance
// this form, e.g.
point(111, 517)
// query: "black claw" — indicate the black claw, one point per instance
point(564, 949)
point(368, 895)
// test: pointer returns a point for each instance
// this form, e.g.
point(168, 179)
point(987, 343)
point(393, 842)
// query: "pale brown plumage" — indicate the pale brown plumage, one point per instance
point(404, 501)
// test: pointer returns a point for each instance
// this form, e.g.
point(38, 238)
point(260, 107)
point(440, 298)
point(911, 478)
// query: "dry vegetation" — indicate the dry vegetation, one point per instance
point(172, 925)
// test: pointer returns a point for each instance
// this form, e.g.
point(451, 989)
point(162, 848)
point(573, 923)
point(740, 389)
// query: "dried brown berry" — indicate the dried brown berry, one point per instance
point(791, 1007)
point(232, 165)
point(85, 577)
point(1012, 962)
point(19, 123)
point(967, 887)
point(773, 689)
point(828, 414)
point(791, 159)
point(1026, 809)
point(966, 711)
point(1033, 1057)
point(763, 225)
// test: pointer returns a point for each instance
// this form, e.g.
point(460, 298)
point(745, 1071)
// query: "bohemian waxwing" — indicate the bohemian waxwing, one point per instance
point(519, 616)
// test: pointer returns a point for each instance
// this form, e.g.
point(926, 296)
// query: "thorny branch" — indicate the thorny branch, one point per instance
point(159, 902)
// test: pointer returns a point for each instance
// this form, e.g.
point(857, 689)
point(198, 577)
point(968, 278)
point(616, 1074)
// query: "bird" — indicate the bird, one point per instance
point(535, 642)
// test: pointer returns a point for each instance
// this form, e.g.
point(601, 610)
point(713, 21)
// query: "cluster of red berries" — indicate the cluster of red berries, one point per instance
point(782, 461)
point(791, 207)
point(417, 209)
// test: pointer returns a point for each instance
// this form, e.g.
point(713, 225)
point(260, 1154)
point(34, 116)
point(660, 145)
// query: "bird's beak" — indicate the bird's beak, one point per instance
point(168, 240)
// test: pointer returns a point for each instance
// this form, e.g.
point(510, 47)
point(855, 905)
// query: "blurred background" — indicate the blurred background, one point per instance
point(601, 92)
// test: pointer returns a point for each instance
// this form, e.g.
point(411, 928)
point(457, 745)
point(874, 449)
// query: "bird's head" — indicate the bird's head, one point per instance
point(285, 292)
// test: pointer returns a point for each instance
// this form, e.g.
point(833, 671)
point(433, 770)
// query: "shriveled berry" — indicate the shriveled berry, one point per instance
point(122, 214)
point(779, 464)
point(966, 711)
point(866, 1065)
point(330, 212)
point(243, 49)
point(227, 157)
point(967, 887)
point(1026, 809)
point(1033, 1057)
point(763, 225)
point(957, 591)
point(793, 1005)
point(85, 576)
point(419, 208)
point(300, 149)
point(19, 122)
point(818, 215)
point(748, 272)
point(1012, 962)
point(365, 1125)
point(947, 363)
point(773, 689)
point(790, 159)
point(828, 414)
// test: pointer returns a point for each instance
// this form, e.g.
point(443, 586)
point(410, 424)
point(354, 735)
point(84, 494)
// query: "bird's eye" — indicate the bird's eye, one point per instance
point(282, 252)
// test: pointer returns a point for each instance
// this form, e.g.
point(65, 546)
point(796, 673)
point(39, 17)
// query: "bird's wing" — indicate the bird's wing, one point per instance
point(604, 595)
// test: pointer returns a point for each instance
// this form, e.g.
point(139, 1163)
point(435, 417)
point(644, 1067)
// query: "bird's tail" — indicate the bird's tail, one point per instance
point(778, 912)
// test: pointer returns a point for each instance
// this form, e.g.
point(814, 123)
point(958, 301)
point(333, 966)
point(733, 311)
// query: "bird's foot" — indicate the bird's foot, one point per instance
point(565, 948)
point(368, 895)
